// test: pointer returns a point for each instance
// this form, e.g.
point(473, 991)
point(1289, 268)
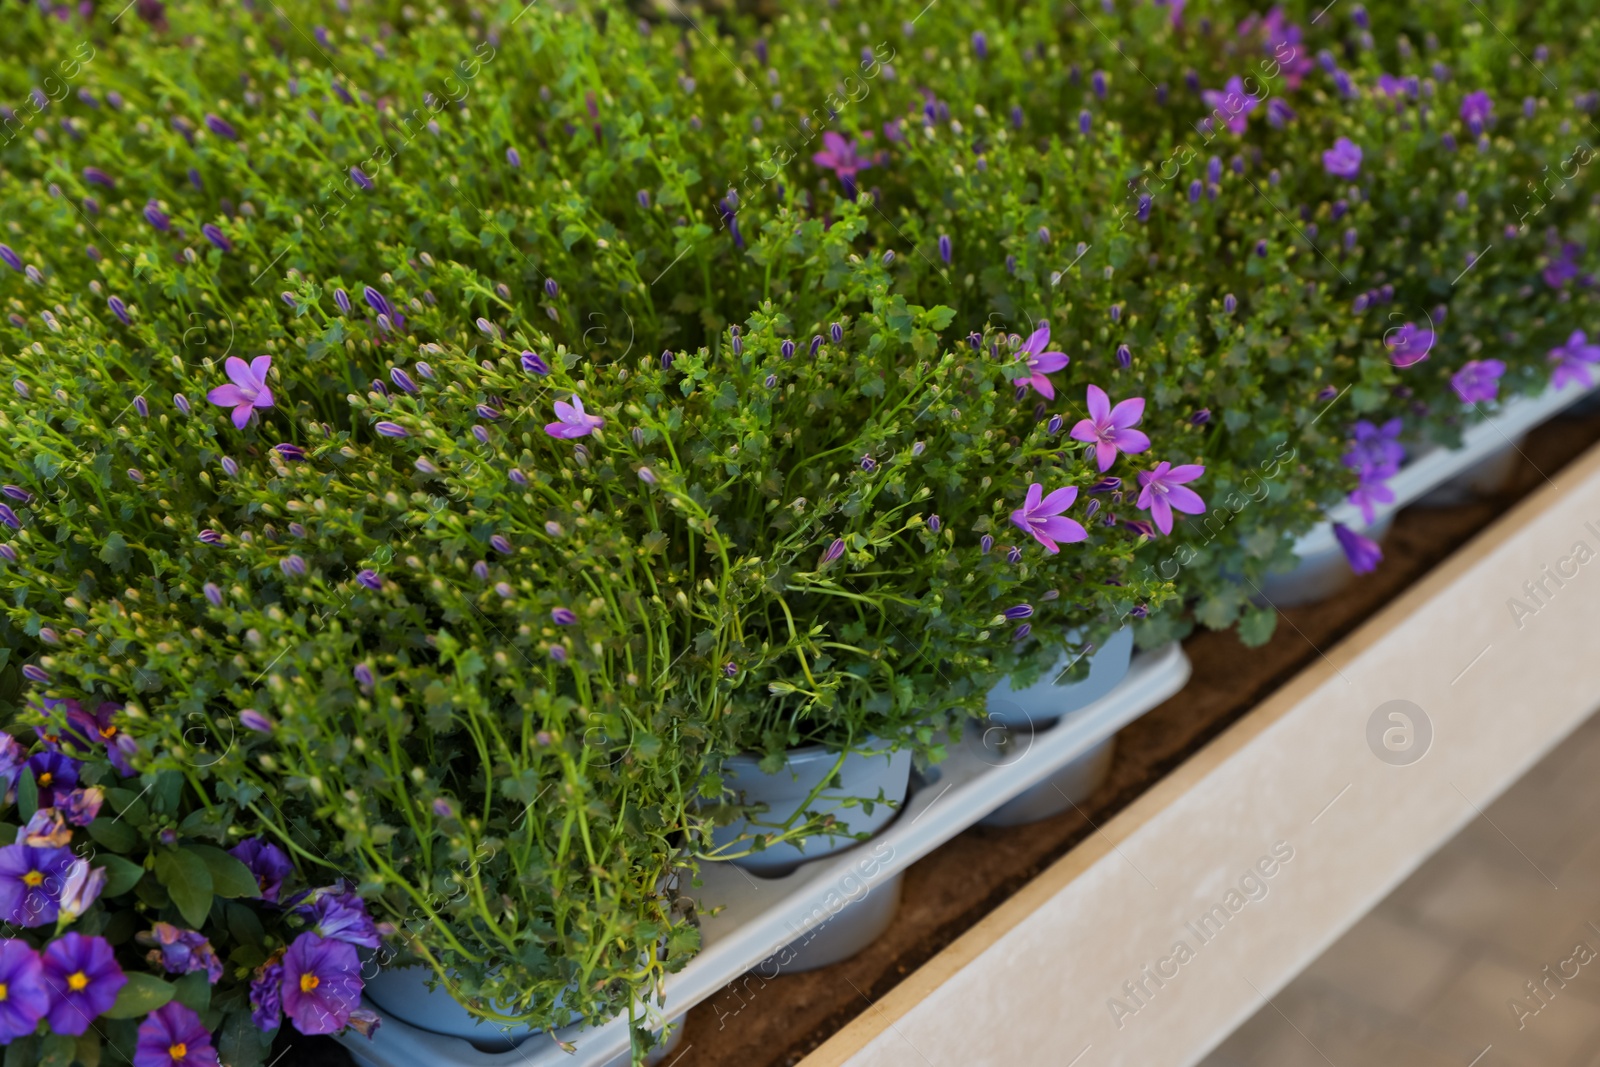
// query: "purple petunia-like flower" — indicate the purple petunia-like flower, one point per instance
point(1164, 490)
point(1362, 552)
point(1573, 360)
point(174, 1036)
point(1478, 381)
point(1041, 516)
point(1408, 344)
point(1233, 102)
point(321, 984)
point(83, 978)
point(24, 1000)
point(248, 390)
point(1477, 111)
point(574, 421)
point(181, 951)
point(841, 157)
point(55, 774)
point(1343, 160)
point(269, 863)
point(1040, 362)
point(1110, 429)
point(336, 913)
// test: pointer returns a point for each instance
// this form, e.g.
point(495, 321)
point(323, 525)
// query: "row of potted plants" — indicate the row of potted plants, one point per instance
point(455, 454)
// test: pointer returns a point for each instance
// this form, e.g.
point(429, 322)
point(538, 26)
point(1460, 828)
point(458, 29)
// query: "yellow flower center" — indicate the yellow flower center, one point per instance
point(77, 982)
point(33, 879)
point(5, 991)
point(46, 778)
point(109, 732)
point(178, 1051)
point(308, 982)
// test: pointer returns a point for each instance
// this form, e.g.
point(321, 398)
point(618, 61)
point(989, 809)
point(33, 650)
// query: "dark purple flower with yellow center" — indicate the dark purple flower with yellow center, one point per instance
point(1164, 491)
point(248, 390)
point(321, 984)
point(267, 862)
point(1343, 160)
point(174, 1036)
point(181, 951)
point(221, 127)
point(30, 882)
point(1363, 553)
point(83, 979)
point(573, 422)
point(1040, 362)
point(1110, 429)
point(842, 157)
point(1477, 111)
point(214, 234)
point(55, 774)
point(96, 176)
point(24, 1000)
point(1042, 517)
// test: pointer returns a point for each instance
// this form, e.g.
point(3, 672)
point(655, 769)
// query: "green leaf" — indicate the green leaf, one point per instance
point(20, 1053)
point(187, 879)
point(229, 877)
point(115, 552)
point(1257, 625)
point(240, 1043)
point(58, 1050)
point(27, 795)
point(88, 1051)
point(121, 875)
point(143, 994)
point(194, 991)
point(117, 836)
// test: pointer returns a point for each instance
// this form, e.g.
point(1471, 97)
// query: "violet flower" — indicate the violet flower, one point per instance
point(221, 127)
point(1234, 103)
point(266, 993)
point(27, 999)
point(96, 176)
point(269, 863)
point(248, 391)
point(1362, 552)
point(359, 176)
point(1040, 362)
point(563, 617)
point(834, 550)
point(156, 217)
point(1042, 517)
point(181, 951)
point(84, 980)
point(1572, 361)
point(336, 913)
point(55, 774)
point(1563, 268)
point(215, 235)
point(174, 1036)
point(321, 984)
point(574, 421)
point(1163, 490)
point(1343, 160)
point(1109, 428)
point(1478, 381)
point(1408, 344)
point(10, 258)
point(1477, 111)
point(841, 157)
point(251, 719)
point(533, 364)
point(82, 887)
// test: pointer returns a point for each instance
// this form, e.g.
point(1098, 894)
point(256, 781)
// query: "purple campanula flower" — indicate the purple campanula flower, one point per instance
point(1163, 490)
point(1019, 612)
point(210, 537)
point(376, 300)
point(1343, 160)
point(96, 176)
point(1014, 554)
point(533, 364)
point(321, 984)
point(9, 517)
point(487, 328)
point(26, 999)
point(17, 493)
point(248, 391)
point(573, 422)
point(342, 299)
point(935, 524)
point(980, 44)
point(402, 380)
point(836, 331)
point(1041, 363)
point(1085, 122)
point(1573, 360)
point(253, 720)
point(514, 158)
point(1478, 381)
point(786, 349)
point(1233, 102)
point(293, 566)
point(1362, 552)
point(391, 429)
point(221, 127)
point(8, 553)
point(267, 862)
point(816, 343)
point(217, 237)
point(563, 617)
point(213, 593)
point(1124, 356)
point(174, 1036)
point(1563, 267)
point(1021, 633)
point(501, 544)
point(1261, 248)
point(1279, 114)
point(834, 550)
point(83, 978)
point(550, 287)
point(1053, 427)
point(194, 179)
point(558, 653)
point(359, 176)
point(142, 406)
point(10, 258)
point(486, 412)
point(868, 464)
point(1477, 111)
point(180, 402)
point(288, 451)
point(156, 217)
point(181, 951)
point(1408, 344)
point(1110, 429)
point(841, 156)
point(985, 543)
point(1144, 207)
point(1097, 81)
point(944, 247)
point(1376, 448)
point(1196, 188)
point(1042, 517)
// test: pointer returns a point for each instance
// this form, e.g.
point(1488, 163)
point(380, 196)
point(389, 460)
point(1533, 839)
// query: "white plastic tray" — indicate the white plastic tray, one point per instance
point(1417, 478)
point(760, 916)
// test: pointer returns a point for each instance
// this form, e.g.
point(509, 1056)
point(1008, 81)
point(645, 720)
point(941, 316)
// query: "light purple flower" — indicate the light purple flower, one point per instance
point(1343, 160)
point(1477, 111)
point(1573, 360)
point(575, 422)
point(1408, 344)
point(81, 888)
point(1163, 490)
point(248, 390)
point(251, 719)
point(1109, 428)
point(841, 157)
point(321, 984)
point(1478, 381)
point(83, 978)
point(370, 579)
point(834, 550)
point(1019, 612)
point(1041, 516)
point(1376, 448)
point(1233, 102)
point(1040, 362)
point(391, 429)
point(1362, 552)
